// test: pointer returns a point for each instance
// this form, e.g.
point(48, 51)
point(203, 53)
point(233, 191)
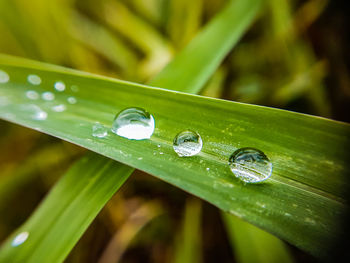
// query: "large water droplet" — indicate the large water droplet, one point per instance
point(48, 96)
point(34, 79)
point(60, 86)
point(187, 143)
point(250, 165)
point(98, 130)
point(134, 124)
point(4, 77)
point(20, 239)
point(33, 95)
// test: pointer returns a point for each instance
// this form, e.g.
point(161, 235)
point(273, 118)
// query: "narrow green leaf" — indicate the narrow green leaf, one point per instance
point(253, 245)
point(190, 70)
point(188, 242)
point(76, 199)
point(301, 202)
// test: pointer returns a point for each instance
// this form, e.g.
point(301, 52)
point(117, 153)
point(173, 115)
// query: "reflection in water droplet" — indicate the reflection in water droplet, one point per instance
point(98, 130)
point(250, 165)
point(34, 79)
point(48, 96)
point(134, 123)
point(4, 77)
point(20, 239)
point(72, 100)
point(33, 95)
point(59, 108)
point(60, 86)
point(187, 143)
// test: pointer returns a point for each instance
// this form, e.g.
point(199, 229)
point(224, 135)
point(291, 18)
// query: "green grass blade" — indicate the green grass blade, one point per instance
point(300, 203)
point(188, 244)
point(253, 245)
point(219, 36)
point(75, 208)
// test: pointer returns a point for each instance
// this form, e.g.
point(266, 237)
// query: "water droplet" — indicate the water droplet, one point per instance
point(34, 79)
point(158, 145)
point(20, 239)
point(33, 95)
point(134, 124)
point(60, 86)
point(36, 112)
point(207, 168)
point(98, 130)
point(59, 108)
point(187, 143)
point(72, 100)
point(74, 88)
point(48, 96)
point(161, 153)
point(4, 77)
point(250, 165)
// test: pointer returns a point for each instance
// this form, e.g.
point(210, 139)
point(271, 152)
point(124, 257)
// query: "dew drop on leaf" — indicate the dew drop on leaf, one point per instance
point(60, 86)
point(59, 108)
point(72, 100)
point(250, 165)
point(98, 130)
point(32, 95)
point(187, 143)
point(20, 239)
point(4, 77)
point(48, 96)
point(34, 79)
point(134, 124)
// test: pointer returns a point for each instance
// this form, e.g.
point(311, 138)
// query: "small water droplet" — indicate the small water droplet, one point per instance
point(33, 95)
point(4, 77)
point(59, 108)
point(74, 88)
point(187, 143)
point(72, 100)
point(134, 124)
point(60, 86)
point(161, 153)
point(36, 112)
point(48, 96)
point(34, 79)
point(20, 239)
point(250, 165)
point(158, 145)
point(99, 131)
point(207, 168)
point(140, 158)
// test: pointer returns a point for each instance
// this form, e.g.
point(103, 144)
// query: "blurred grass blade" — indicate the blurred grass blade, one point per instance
point(253, 245)
point(223, 32)
point(76, 200)
point(188, 244)
point(301, 202)
point(121, 240)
